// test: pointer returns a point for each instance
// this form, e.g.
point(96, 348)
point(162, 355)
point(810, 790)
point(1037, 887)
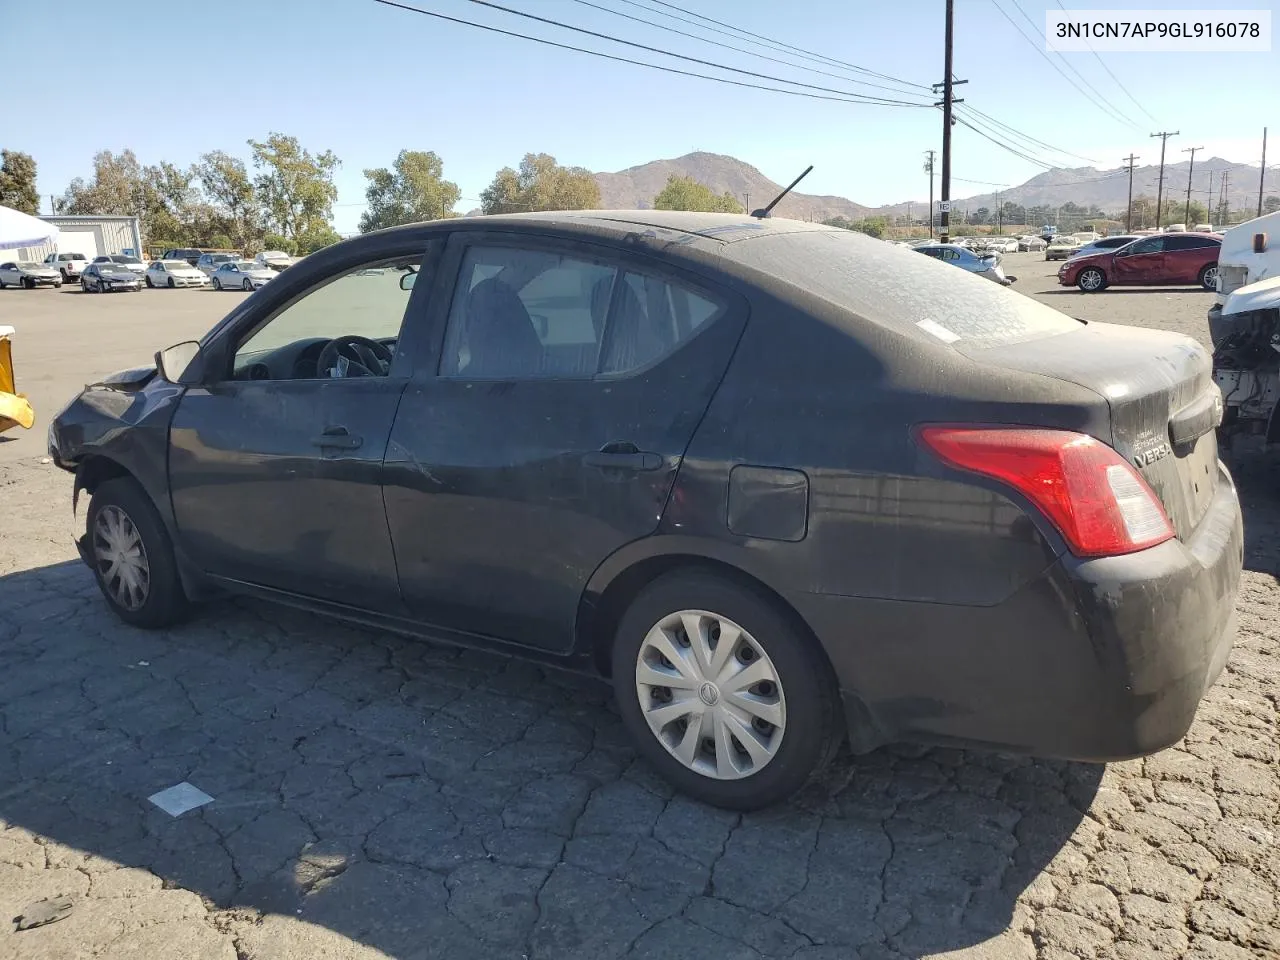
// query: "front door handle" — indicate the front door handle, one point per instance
point(337, 438)
point(622, 456)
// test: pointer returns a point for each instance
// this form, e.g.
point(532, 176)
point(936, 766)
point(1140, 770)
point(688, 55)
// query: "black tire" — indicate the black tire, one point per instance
point(84, 285)
point(217, 284)
point(1091, 280)
point(172, 285)
point(814, 726)
point(247, 286)
point(165, 603)
point(28, 283)
point(1208, 278)
point(66, 277)
point(57, 284)
point(149, 283)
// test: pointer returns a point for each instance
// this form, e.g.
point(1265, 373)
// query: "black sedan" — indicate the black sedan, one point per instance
point(108, 278)
point(776, 498)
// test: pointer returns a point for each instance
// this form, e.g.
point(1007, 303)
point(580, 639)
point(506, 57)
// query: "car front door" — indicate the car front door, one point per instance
point(9, 273)
point(275, 463)
point(1139, 263)
point(566, 383)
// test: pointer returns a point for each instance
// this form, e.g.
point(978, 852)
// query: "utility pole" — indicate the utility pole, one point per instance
point(1186, 214)
point(1128, 210)
point(1224, 201)
point(1262, 171)
point(1164, 139)
point(747, 196)
point(928, 168)
point(948, 100)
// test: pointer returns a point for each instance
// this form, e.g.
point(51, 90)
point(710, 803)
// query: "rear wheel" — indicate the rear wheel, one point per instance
point(722, 694)
point(149, 283)
point(132, 556)
point(65, 276)
point(1091, 280)
point(1209, 277)
point(217, 284)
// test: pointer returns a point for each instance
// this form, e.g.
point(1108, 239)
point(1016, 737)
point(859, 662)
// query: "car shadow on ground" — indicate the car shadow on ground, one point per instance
point(424, 800)
point(1257, 477)
point(1113, 291)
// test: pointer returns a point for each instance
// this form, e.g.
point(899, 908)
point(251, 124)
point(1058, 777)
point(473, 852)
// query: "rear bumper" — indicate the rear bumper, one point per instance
point(1095, 660)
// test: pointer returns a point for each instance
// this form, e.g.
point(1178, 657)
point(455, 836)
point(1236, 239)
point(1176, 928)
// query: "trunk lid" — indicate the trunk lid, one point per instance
point(1164, 406)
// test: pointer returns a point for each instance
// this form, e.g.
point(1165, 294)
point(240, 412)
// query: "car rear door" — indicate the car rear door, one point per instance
point(566, 383)
point(1139, 264)
point(1186, 255)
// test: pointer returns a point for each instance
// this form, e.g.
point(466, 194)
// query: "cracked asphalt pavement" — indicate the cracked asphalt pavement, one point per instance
point(383, 797)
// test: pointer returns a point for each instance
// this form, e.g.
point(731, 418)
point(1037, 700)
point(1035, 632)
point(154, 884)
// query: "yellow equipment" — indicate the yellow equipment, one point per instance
point(15, 411)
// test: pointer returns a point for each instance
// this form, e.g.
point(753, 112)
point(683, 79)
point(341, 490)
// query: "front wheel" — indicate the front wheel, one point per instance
point(217, 284)
point(247, 286)
point(29, 283)
point(1091, 280)
point(1209, 277)
point(84, 286)
point(66, 277)
point(722, 693)
point(172, 283)
point(132, 556)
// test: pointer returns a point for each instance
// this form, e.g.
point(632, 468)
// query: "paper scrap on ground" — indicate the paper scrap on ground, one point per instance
point(180, 798)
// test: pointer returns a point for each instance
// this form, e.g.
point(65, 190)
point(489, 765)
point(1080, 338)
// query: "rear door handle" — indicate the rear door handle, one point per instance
point(622, 460)
point(337, 438)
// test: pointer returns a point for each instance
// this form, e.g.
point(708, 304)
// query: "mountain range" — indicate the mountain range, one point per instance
point(636, 187)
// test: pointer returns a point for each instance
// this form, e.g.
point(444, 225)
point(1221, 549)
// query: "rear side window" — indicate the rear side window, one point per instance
point(896, 288)
point(529, 314)
point(1189, 242)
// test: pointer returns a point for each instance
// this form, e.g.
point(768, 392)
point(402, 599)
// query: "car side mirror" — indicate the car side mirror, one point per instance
point(407, 280)
point(183, 363)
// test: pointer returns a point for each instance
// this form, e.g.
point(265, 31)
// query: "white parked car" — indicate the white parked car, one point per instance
point(123, 260)
point(24, 273)
point(174, 273)
point(209, 262)
point(1003, 244)
point(69, 265)
point(275, 259)
point(241, 275)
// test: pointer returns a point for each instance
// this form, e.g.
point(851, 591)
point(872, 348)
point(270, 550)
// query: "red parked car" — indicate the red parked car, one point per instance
point(1167, 259)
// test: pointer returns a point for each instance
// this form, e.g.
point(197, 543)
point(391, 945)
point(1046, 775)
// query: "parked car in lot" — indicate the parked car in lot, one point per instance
point(1166, 259)
point(240, 275)
point(108, 278)
point(174, 273)
point(1105, 243)
point(274, 259)
point(1001, 244)
point(68, 265)
point(987, 266)
point(209, 262)
point(189, 254)
point(1030, 243)
point(24, 273)
point(123, 260)
point(756, 585)
point(1062, 248)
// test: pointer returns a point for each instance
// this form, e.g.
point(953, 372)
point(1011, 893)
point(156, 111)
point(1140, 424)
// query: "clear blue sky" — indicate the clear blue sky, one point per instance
point(366, 81)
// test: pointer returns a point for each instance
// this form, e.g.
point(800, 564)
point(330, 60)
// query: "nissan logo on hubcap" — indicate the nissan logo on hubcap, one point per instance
point(709, 694)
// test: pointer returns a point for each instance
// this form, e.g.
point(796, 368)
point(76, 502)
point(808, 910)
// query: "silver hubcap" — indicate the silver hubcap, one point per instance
point(710, 694)
point(1211, 277)
point(121, 558)
point(1091, 279)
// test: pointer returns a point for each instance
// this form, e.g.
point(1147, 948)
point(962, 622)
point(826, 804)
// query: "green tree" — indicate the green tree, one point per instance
point(115, 189)
point(18, 182)
point(686, 193)
point(540, 184)
point(294, 186)
point(414, 189)
point(226, 183)
point(273, 241)
point(316, 239)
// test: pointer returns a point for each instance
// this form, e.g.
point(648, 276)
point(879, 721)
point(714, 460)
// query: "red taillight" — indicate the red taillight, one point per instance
point(1099, 503)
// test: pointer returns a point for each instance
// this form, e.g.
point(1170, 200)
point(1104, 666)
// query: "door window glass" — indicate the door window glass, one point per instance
point(1149, 245)
point(521, 314)
point(367, 302)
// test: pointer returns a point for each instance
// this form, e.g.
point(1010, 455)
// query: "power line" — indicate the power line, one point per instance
point(1070, 66)
point(1000, 135)
point(851, 98)
point(1053, 63)
point(769, 40)
point(680, 56)
point(729, 46)
point(1002, 145)
point(1012, 131)
point(1104, 66)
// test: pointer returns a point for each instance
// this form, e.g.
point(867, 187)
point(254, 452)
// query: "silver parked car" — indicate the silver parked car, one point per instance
point(24, 273)
point(1031, 244)
point(241, 275)
point(210, 262)
point(984, 266)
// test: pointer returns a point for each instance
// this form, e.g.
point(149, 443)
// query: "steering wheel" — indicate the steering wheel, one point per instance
point(365, 357)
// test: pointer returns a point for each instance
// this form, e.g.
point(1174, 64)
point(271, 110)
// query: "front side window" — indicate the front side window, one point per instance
point(1149, 245)
point(527, 314)
point(359, 313)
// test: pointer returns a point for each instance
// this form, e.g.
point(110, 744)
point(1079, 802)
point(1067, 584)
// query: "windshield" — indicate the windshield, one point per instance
point(243, 264)
point(850, 270)
point(28, 265)
point(175, 265)
point(125, 259)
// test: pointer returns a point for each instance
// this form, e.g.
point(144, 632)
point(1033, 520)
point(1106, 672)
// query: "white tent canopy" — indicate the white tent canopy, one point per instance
point(22, 230)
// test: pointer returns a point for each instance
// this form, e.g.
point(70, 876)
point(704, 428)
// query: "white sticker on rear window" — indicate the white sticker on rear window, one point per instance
point(938, 330)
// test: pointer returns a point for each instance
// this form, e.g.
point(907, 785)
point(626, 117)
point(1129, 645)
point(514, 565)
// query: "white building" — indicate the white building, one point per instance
point(90, 235)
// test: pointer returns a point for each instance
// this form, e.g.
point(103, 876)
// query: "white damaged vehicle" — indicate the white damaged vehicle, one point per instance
point(1246, 360)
